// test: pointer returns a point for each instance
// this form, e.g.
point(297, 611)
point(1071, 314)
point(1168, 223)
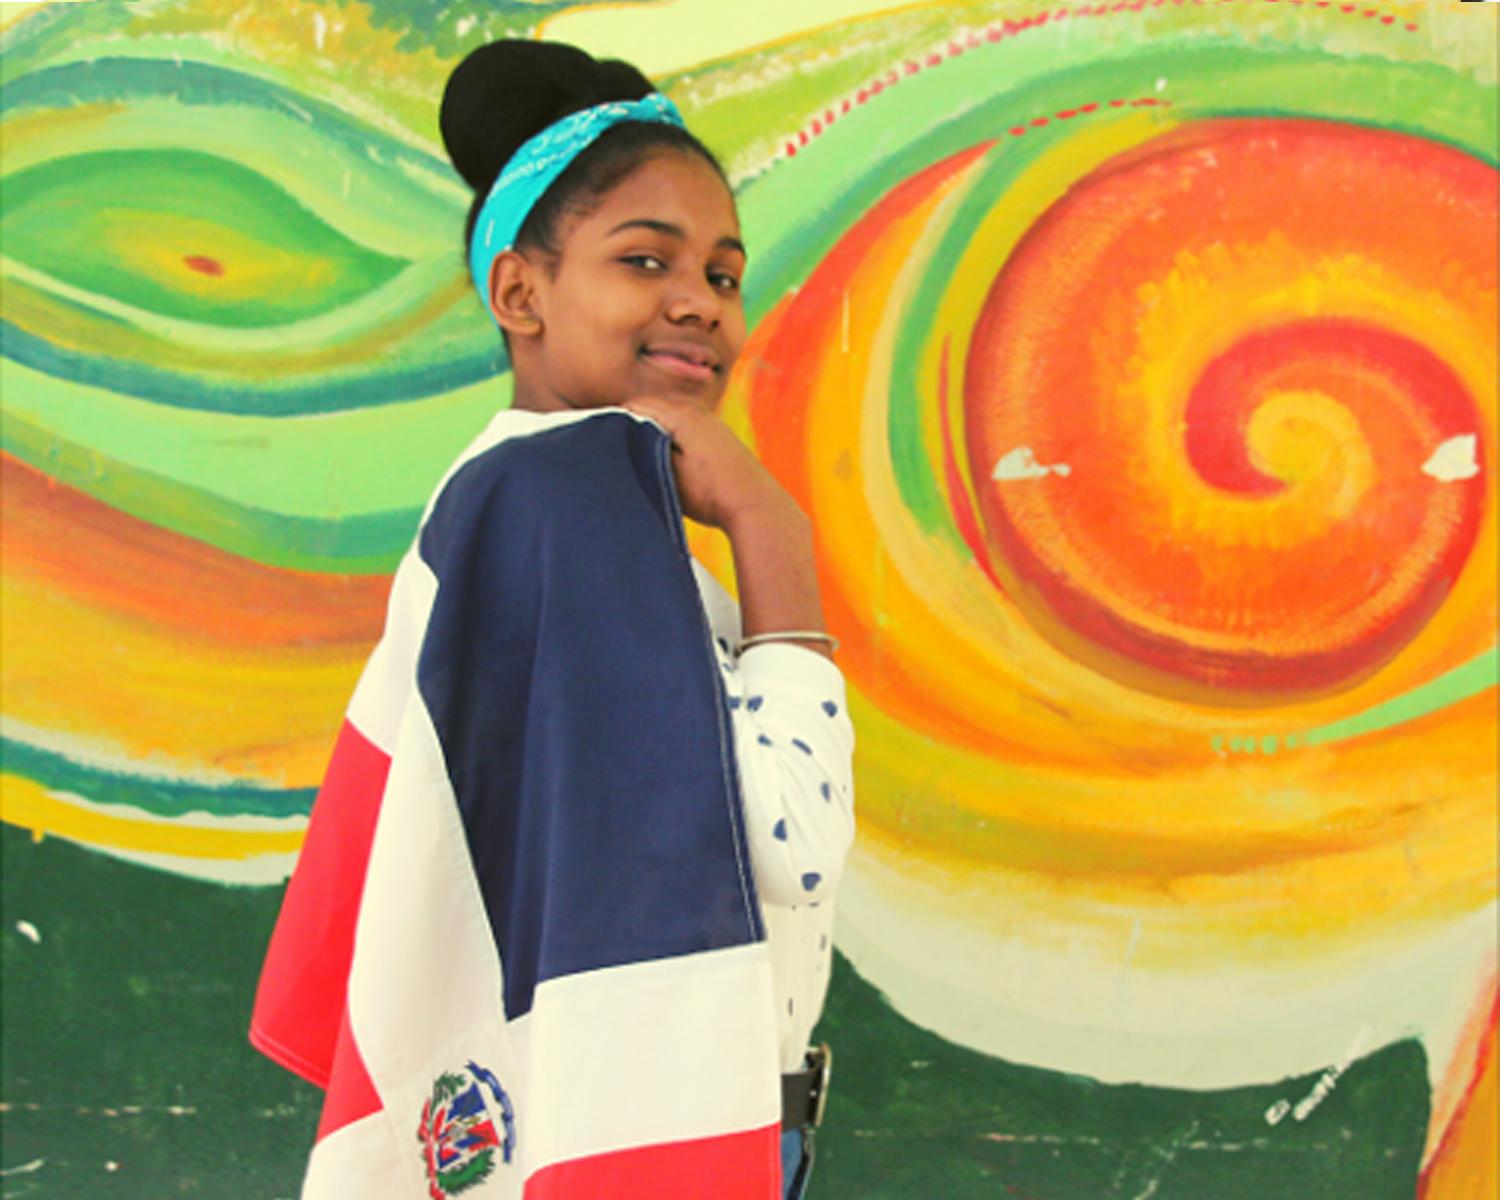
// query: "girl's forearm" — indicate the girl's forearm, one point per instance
point(776, 569)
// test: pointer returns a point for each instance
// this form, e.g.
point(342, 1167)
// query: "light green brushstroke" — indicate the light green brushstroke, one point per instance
point(204, 327)
point(1447, 690)
point(1456, 686)
point(391, 208)
point(79, 218)
point(798, 209)
point(327, 467)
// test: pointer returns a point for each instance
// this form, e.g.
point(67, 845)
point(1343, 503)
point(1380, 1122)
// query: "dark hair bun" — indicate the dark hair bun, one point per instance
point(509, 91)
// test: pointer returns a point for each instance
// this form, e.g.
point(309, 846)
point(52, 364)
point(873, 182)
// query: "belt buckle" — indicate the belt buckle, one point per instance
point(819, 1061)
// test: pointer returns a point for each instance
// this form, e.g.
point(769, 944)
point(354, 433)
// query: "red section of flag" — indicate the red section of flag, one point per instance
point(300, 1006)
point(740, 1166)
point(351, 1094)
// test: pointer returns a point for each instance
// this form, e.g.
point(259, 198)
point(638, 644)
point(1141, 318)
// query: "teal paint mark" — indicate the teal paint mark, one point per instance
point(108, 80)
point(457, 26)
point(302, 396)
point(1447, 690)
point(162, 797)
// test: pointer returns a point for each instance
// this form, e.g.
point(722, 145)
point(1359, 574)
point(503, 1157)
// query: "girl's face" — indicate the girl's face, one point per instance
point(644, 299)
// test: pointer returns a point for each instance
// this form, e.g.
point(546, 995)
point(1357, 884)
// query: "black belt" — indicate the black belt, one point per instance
point(805, 1092)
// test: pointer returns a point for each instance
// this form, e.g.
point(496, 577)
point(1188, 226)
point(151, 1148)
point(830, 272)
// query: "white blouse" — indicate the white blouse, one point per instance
point(794, 744)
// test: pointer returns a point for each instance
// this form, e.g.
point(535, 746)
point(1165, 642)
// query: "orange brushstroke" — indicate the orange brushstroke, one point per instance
point(102, 559)
point(1466, 1165)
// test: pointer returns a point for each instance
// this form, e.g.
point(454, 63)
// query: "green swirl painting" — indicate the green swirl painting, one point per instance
point(1137, 363)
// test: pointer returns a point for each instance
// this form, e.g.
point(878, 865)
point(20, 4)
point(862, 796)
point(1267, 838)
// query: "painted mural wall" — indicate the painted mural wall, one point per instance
point(1138, 365)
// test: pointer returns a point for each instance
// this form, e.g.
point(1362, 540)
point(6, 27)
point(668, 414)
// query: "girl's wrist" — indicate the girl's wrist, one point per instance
point(774, 510)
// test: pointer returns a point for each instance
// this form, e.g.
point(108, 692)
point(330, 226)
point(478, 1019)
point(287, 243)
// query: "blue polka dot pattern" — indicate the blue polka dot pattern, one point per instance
point(802, 746)
point(780, 831)
point(811, 880)
point(830, 708)
point(734, 702)
point(763, 740)
point(754, 703)
point(826, 790)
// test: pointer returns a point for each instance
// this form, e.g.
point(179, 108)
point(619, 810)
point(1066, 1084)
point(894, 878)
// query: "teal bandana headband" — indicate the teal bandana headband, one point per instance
point(535, 167)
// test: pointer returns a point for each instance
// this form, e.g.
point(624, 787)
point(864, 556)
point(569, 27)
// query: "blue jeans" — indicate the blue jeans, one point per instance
point(796, 1162)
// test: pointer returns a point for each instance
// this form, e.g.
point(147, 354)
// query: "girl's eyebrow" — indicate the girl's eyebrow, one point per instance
point(667, 229)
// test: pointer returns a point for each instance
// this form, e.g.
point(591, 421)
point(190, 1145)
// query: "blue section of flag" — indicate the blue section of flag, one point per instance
point(570, 676)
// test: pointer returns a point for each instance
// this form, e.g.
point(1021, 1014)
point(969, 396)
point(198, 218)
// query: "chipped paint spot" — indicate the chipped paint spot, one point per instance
point(1455, 459)
point(1021, 463)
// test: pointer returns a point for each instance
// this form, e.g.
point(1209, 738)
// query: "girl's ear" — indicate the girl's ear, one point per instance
point(513, 294)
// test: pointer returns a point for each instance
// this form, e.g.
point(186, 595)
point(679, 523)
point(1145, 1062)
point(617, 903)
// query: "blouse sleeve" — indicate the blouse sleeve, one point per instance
point(794, 743)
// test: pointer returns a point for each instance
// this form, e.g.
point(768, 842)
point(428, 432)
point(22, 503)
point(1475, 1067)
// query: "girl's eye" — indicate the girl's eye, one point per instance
point(724, 281)
point(647, 262)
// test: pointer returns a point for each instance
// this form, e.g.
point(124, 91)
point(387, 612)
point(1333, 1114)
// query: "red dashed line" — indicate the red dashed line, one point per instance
point(1068, 114)
point(1000, 30)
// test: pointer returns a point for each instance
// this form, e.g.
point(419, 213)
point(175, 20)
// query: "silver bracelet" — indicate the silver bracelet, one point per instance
point(787, 635)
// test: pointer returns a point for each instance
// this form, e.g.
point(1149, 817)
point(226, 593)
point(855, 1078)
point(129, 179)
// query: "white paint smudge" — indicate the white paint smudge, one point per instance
point(111, 1167)
point(1135, 937)
point(30, 1168)
point(30, 932)
point(1325, 1085)
point(465, 24)
point(320, 29)
point(1455, 459)
point(1161, 85)
point(1021, 463)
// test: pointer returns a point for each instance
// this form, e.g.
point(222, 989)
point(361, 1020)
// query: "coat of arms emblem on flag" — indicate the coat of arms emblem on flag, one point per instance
point(458, 1131)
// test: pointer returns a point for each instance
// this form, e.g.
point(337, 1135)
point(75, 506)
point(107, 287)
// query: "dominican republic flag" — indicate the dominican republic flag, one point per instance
point(522, 949)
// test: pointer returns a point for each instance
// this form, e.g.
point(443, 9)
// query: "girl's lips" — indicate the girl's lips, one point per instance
point(681, 364)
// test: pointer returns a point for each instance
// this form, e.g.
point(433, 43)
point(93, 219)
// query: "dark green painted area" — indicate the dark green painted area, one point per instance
point(71, 218)
point(138, 994)
point(912, 1115)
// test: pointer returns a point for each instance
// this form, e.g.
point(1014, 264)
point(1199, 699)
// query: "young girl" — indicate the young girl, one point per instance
point(583, 716)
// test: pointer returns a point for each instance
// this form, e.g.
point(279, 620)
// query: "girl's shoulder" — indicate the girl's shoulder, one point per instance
point(508, 424)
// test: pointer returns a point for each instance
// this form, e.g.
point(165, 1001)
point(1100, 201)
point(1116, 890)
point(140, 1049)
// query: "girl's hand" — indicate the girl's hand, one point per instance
point(719, 481)
point(722, 484)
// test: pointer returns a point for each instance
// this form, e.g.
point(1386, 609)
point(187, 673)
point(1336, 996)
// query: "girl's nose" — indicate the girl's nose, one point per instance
point(695, 302)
